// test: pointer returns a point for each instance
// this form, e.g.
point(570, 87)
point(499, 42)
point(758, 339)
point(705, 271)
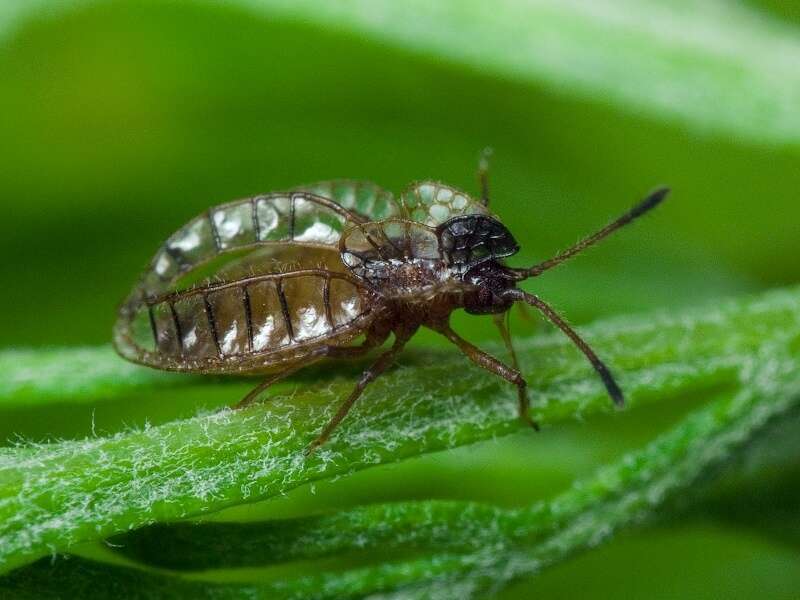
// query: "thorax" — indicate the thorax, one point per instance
point(417, 290)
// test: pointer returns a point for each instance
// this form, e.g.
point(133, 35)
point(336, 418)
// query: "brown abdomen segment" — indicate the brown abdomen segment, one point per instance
point(225, 324)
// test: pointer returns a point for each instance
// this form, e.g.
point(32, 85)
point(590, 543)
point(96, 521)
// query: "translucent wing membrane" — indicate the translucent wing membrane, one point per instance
point(275, 233)
point(434, 203)
point(364, 198)
point(247, 324)
point(377, 251)
point(263, 276)
point(298, 217)
point(276, 258)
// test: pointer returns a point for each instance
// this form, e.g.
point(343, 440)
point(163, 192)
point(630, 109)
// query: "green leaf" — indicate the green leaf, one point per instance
point(127, 118)
point(715, 66)
point(55, 495)
point(501, 545)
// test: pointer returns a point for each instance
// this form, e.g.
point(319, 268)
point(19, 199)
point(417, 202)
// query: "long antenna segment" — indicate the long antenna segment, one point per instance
point(643, 207)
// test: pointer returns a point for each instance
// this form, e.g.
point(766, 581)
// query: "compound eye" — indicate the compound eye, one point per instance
point(470, 240)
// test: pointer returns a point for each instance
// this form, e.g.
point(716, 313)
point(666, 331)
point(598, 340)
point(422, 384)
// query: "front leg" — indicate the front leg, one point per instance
point(493, 365)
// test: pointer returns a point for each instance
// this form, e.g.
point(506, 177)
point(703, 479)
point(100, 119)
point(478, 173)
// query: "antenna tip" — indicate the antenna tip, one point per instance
point(611, 385)
point(617, 396)
point(653, 200)
point(660, 193)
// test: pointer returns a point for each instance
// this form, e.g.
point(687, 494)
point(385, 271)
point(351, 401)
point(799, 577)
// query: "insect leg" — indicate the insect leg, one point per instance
point(378, 367)
point(483, 175)
point(375, 337)
point(491, 364)
point(605, 374)
point(373, 340)
point(274, 378)
point(501, 322)
point(524, 312)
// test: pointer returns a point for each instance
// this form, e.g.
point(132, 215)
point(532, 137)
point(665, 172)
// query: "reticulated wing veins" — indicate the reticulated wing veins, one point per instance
point(377, 251)
point(364, 198)
point(434, 203)
point(292, 228)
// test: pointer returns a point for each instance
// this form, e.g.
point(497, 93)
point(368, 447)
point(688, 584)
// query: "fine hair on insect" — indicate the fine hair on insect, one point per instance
point(270, 284)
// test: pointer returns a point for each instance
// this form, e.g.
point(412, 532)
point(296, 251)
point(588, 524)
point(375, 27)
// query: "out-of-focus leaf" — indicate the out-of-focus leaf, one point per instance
point(716, 66)
point(126, 118)
point(81, 375)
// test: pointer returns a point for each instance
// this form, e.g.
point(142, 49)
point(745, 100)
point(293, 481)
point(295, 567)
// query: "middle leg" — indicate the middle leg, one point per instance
point(491, 364)
point(501, 321)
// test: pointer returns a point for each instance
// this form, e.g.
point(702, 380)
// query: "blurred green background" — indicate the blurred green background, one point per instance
point(120, 121)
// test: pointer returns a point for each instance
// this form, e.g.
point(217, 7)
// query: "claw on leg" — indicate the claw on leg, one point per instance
point(525, 407)
point(491, 364)
point(501, 321)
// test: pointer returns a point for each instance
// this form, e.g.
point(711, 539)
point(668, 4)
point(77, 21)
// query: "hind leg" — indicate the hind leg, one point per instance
point(274, 378)
point(373, 340)
point(384, 361)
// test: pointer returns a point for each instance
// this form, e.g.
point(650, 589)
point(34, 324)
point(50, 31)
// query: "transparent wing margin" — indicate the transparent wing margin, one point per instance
point(293, 217)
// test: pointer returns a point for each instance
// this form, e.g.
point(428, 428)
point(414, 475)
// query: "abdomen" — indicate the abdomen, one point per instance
point(245, 325)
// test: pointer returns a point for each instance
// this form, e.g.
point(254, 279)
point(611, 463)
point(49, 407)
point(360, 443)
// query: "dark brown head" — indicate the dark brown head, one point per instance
point(468, 241)
point(474, 246)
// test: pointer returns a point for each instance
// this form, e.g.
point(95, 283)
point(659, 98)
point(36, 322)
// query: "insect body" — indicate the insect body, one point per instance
point(270, 284)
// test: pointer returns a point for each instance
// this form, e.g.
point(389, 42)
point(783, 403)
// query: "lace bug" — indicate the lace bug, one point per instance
point(272, 283)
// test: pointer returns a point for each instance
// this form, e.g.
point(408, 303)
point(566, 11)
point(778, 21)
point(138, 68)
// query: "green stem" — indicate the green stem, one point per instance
point(619, 495)
point(55, 495)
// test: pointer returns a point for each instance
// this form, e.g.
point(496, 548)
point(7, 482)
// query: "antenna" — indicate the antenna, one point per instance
point(483, 174)
point(644, 206)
